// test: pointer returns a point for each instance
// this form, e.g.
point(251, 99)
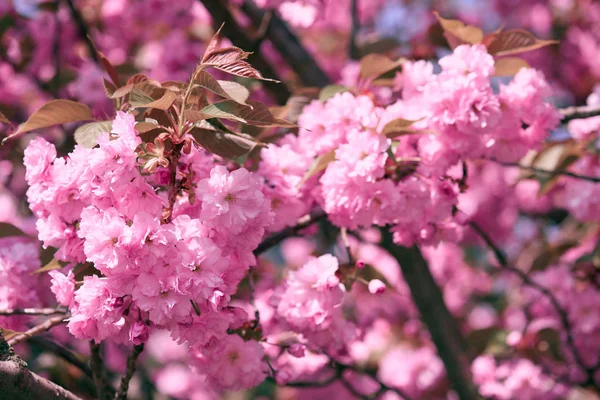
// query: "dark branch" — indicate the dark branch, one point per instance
point(571, 113)
point(97, 366)
point(131, 363)
point(32, 311)
point(528, 281)
point(18, 382)
point(288, 45)
point(83, 30)
point(277, 238)
point(63, 353)
point(548, 172)
point(443, 328)
point(36, 330)
point(354, 51)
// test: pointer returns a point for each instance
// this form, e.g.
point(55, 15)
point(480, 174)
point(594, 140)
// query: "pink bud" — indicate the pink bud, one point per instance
point(297, 350)
point(360, 264)
point(376, 286)
point(513, 338)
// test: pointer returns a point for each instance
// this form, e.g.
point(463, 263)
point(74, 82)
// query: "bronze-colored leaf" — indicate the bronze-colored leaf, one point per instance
point(109, 87)
point(212, 45)
point(87, 135)
point(224, 144)
point(319, 164)
point(9, 333)
point(109, 68)
point(397, 127)
point(166, 101)
point(52, 265)
point(137, 78)
point(258, 115)
point(231, 60)
point(509, 66)
point(551, 255)
point(228, 90)
point(145, 126)
point(516, 41)
point(122, 91)
point(329, 91)
point(373, 66)
point(457, 32)
point(53, 113)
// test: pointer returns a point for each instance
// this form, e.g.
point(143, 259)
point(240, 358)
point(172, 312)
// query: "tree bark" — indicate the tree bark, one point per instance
point(442, 326)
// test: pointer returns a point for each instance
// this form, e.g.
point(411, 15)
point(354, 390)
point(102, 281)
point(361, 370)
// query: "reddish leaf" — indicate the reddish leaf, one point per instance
point(319, 164)
point(509, 66)
point(258, 115)
point(122, 91)
point(373, 66)
point(109, 68)
point(87, 135)
point(457, 33)
point(137, 78)
point(228, 145)
point(109, 87)
point(516, 41)
point(54, 113)
point(229, 90)
point(145, 126)
point(164, 102)
point(212, 45)
point(231, 60)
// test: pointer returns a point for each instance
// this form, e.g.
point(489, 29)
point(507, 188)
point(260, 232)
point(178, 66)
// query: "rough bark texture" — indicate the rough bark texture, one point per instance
point(442, 326)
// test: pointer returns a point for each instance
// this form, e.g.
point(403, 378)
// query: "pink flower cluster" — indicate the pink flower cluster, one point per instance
point(98, 207)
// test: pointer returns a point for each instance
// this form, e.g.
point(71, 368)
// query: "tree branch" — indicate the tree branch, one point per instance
point(83, 30)
point(43, 327)
point(63, 353)
point(131, 363)
point(571, 113)
point(32, 311)
point(277, 238)
point(547, 172)
point(17, 382)
point(528, 281)
point(443, 328)
point(288, 45)
point(221, 14)
point(97, 366)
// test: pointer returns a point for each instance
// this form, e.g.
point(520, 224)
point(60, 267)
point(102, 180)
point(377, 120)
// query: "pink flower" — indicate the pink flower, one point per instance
point(63, 287)
point(232, 364)
point(376, 286)
point(230, 199)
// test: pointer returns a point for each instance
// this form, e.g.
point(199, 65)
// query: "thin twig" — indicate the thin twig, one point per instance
point(36, 330)
point(547, 172)
point(97, 367)
point(131, 363)
point(277, 238)
point(571, 113)
point(528, 281)
point(32, 311)
point(63, 353)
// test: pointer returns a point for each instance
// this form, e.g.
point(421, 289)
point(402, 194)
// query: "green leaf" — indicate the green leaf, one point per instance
point(225, 144)
point(329, 91)
point(52, 113)
point(87, 135)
